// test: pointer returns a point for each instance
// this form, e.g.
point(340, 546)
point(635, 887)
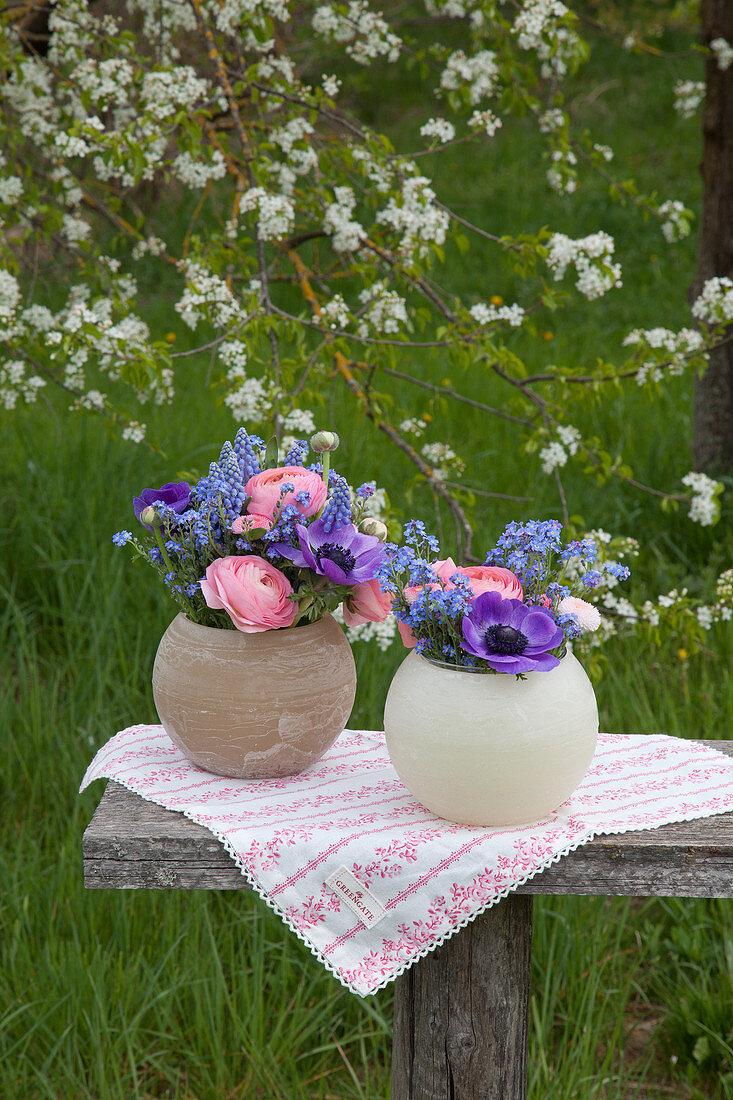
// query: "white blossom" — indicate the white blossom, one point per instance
point(335, 313)
point(443, 459)
point(676, 223)
point(205, 294)
point(296, 129)
point(569, 437)
point(553, 456)
point(331, 85)
point(38, 317)
point(650, 613)
point(383, 633)
point(438, 128)
point(134, 431)
point(232, 14)
point(485, 120)
point(276, 214)
point(592, 259)
point(542, 26)
point(688, 95)
point(704, 506)
point(723, 53)
point(165, 90)
point(9, 294)
point(604, 151)
point(151, 244)
point(376, 172)
point(489, 314)
point(233, 353)
point(413, 426)
point(478, 73)
point(346, 233)
point(300, 420)
point(75, 229)
point(365, 33)
point(14, 383)
point(385, 310)
point(416, 217)
point(197, 173)
point(11, 188)
point(677, 350)
point(551, 120)
point(714, 305)
point(248, 400)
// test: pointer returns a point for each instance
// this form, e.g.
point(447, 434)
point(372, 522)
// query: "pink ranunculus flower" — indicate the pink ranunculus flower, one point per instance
point(493, 578)
point(243, 524)
point(252, 592)
point(588, 616)
point(264, 490)
point(445, 568)
point(482, 578)
point(367, 603)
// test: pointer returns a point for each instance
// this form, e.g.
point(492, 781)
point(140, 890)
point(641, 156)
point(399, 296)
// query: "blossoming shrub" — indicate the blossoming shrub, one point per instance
point(303, 249)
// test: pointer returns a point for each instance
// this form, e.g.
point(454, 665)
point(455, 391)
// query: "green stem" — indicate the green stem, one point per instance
point(164, 552)
point(326, 466)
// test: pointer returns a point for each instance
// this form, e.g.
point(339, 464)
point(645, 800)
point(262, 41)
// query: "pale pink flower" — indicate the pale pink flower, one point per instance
point(493, 578)
point(482, 578)
point(366, 603)
point(252, 520)
point(252, 592)
point(264, 490)
point(587, 616)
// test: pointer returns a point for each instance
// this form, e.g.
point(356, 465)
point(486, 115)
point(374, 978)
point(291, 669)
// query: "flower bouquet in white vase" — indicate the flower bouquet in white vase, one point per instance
point(491, 720)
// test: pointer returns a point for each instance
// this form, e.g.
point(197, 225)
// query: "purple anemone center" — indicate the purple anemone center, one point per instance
point(340, 556)
point(505, 639)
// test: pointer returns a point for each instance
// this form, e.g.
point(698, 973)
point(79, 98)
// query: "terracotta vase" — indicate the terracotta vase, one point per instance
point(254, 706)
point(484, 749)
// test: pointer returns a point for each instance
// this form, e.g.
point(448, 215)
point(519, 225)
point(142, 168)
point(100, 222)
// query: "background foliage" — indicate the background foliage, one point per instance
point(207, 996)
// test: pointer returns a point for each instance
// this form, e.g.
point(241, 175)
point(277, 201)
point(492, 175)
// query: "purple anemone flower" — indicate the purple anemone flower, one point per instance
point(509, 635)
point(343, 554)
point(174, 494)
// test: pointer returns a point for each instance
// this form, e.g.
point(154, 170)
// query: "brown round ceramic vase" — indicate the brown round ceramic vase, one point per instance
point(254, 706)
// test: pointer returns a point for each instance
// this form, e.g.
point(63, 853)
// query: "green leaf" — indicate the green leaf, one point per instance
point(271, 453)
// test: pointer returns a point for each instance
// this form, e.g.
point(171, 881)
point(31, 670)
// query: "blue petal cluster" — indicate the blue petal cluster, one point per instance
point(245, 448)
point(337, 510)
point(297, 454)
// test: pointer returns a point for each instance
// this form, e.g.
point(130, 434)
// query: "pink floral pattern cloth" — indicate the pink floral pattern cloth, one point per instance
point(351, 812)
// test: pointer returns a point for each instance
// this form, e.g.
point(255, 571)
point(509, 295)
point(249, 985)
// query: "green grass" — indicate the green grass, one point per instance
point(110, 996)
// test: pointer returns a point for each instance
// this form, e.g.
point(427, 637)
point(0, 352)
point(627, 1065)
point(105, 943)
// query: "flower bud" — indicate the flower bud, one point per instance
point(324, 441)
point(150, 517)
point(374, 527)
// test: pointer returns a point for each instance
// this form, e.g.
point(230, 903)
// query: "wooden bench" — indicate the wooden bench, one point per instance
point(461, 1014)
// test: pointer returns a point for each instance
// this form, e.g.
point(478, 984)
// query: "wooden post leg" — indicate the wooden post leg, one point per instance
point(461, 1014)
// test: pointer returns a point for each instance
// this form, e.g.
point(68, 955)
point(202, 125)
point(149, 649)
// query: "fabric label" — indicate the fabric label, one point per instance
point(357, 897)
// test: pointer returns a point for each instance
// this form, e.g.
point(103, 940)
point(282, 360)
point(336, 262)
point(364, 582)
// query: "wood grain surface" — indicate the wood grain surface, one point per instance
point(133, 844)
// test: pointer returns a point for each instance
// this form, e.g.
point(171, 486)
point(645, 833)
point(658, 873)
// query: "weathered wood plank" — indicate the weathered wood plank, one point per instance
point(461, 1017)
point(133, 844)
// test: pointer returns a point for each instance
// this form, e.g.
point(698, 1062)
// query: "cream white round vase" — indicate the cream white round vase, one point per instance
point(484, 749)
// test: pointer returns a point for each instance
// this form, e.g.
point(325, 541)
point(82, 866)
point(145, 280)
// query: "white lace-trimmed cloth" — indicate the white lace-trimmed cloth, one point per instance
point(416, 879)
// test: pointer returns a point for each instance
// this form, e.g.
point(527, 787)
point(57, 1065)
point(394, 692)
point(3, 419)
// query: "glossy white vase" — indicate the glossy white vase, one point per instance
point(484, 749)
